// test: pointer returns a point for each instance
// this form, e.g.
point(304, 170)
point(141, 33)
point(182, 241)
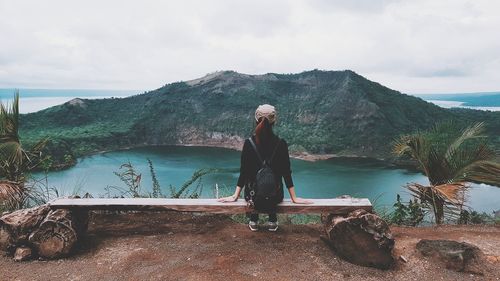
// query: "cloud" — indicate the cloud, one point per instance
point(351, 6)
point(412, 46)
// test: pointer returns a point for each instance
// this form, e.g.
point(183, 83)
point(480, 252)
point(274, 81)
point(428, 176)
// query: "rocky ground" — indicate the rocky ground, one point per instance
point(170, 246)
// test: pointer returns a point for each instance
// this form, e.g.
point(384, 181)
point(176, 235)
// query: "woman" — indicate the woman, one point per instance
point(269, 146)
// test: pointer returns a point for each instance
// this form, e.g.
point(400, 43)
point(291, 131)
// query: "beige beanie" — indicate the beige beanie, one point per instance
point(267, 111)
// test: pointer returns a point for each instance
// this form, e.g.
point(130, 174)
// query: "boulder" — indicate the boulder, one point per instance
point(361, 238)
point(458, 256)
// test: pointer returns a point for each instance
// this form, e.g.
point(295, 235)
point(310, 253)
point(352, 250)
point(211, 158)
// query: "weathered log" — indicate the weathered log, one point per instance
point(361, 238)
point(58, 233)
point(23, 253)
point(16, 227)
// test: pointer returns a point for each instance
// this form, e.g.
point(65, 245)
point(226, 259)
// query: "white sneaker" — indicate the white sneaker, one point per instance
point(272, 226)
point(253, 226)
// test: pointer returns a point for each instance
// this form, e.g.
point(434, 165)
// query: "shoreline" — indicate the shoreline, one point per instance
point(304, 156)
point(236, 146)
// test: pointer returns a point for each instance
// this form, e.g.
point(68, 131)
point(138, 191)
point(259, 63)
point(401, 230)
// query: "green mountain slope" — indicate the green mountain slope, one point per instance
point(334, 112)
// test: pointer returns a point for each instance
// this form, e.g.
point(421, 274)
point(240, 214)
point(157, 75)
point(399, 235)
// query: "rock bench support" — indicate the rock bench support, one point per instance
point(48, 233)
point(59, 232)
point(360, 237)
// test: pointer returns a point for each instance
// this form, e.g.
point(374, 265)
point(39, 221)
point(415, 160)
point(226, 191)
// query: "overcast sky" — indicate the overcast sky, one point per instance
point(411, 46)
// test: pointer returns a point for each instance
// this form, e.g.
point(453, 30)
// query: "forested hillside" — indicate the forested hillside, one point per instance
point(334, 112)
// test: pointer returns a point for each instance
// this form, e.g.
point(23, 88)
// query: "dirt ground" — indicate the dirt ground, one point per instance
point(170, 246)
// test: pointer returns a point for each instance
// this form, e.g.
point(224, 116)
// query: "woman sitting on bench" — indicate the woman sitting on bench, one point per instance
point(264, 162)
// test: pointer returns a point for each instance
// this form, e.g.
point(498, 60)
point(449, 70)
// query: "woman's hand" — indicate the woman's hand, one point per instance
point(298, 200)
point(295, 199)
point(231, 198)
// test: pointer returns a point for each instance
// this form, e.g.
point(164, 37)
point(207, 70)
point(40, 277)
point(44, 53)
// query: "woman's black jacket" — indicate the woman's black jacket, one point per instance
point(280, 164)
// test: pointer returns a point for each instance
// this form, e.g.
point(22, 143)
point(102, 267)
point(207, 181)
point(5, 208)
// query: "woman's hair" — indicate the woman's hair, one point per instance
point(263, 131)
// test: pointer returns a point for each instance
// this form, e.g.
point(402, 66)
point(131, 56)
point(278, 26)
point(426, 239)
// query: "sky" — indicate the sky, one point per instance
point(424, 46)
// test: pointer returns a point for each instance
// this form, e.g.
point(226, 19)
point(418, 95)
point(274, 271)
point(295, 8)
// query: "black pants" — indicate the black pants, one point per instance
point(255, 217)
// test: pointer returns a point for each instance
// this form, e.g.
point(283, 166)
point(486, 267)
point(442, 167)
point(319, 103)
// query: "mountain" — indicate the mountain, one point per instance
point(319, 112)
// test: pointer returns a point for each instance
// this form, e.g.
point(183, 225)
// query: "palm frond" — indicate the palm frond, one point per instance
point(12, 152)
point(471, 132)
point(414, 146)
point(39, 146)
point(12, 194)
point(483, 171)
point(446, 200)
point(438, 173)
point(460, 154)
point(9, 119)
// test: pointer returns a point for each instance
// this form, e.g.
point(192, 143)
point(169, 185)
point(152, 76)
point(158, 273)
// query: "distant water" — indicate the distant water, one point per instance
point(32, 100)
point(322, 179)
point(459, 104)
point(481, 101)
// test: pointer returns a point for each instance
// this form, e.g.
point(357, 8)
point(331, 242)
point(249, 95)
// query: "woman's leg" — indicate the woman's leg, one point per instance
point(254, 217)
point(273, 217)
point(253, 223)
point(272, 225)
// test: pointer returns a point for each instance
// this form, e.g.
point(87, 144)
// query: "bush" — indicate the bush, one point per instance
point(411, 214)
point(474, 217)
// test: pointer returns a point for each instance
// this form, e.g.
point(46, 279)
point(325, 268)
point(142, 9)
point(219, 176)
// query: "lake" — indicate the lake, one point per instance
point(482, 101)
point(322, 179)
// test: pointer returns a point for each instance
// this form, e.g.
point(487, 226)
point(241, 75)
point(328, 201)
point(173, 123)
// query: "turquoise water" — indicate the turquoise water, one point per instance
point(482, 101)
point(322, 179)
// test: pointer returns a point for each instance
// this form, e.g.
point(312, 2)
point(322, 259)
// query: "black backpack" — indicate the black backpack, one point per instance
point(264, 193)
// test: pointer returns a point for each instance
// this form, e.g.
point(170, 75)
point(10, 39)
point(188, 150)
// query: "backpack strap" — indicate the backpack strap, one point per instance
point(256, 150)
point(274, 152)
point(258, 154)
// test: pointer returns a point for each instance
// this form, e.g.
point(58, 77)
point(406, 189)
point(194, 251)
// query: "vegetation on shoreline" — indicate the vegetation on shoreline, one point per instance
point(451, 158)
point(413, 213)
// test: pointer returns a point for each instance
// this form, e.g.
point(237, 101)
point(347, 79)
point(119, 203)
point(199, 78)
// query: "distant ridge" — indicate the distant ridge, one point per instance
point(320, 112)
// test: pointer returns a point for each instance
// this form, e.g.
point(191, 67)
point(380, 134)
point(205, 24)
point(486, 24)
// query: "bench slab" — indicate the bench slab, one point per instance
point(332, 206)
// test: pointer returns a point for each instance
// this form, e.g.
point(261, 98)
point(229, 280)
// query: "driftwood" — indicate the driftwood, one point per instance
point(23, 253)
point(50, 234)
point(360, 237)
point(16, 227)
point(57, 234)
